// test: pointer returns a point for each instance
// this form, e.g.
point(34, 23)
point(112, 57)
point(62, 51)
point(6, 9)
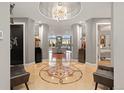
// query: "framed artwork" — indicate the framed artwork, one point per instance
point(16, 44)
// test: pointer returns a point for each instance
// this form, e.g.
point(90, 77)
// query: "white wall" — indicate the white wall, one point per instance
point(31, 41)
point(77, 30)
point(45, 43)
point(5, 47)
point(74, 43)
point(89, 42)
point(91, 38)
point(118, 45)
point(29, 38)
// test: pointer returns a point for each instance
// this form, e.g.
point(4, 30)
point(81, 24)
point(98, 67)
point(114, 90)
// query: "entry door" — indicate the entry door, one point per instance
point(16, 44)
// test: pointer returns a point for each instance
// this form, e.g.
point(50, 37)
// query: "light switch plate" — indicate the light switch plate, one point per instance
point(1, 35)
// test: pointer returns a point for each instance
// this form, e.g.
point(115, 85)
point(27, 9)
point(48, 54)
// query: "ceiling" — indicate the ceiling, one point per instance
point(59, 9)
point(89, 10)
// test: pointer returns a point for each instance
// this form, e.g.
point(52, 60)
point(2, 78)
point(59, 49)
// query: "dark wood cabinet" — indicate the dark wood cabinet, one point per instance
point(81, 55)
point(38, 55)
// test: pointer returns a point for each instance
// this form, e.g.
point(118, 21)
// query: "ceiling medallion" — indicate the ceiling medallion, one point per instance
point(60, 10)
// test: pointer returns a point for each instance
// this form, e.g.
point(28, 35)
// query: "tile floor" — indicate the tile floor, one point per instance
point(36, 83)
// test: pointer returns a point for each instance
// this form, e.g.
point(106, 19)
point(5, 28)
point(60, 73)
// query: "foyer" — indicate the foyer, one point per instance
point(60, 46)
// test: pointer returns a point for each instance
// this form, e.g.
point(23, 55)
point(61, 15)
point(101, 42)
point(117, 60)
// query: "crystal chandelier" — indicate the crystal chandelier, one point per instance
point(60, 10)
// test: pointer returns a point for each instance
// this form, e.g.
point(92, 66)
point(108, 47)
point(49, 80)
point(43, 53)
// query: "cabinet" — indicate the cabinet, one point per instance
point(81, 55)
point(38, 54)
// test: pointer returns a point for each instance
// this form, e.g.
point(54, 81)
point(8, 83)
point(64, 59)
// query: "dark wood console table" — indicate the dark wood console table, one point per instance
point(81, 55)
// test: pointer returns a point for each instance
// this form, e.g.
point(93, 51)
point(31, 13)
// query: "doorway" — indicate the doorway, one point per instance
point(103, 42)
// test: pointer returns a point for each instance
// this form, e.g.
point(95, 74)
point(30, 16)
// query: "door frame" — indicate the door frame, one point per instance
point(97, 40)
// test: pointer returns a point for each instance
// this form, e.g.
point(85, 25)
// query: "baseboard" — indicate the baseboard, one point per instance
point(92, 64)
point(45, 60)
point(27, 64)
point(74, 60)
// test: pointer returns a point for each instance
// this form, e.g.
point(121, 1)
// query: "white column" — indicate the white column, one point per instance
point(41, 34)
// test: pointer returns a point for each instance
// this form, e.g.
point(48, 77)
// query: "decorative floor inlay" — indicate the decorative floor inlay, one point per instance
point(60, 74)
point(36, 83)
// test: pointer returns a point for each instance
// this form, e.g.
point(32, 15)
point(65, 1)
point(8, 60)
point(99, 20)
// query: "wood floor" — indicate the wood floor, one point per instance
point(36, 83)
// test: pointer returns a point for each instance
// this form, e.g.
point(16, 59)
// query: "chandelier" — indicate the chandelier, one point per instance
point(60, 10)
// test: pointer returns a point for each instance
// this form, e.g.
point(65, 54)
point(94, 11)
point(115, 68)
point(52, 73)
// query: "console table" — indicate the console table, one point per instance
point(81, 55)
